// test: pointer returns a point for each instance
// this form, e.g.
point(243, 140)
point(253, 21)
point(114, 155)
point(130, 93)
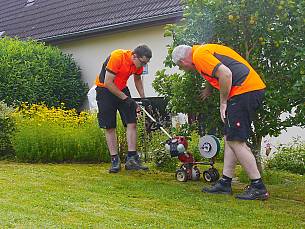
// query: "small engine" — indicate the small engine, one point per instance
point(176, 146)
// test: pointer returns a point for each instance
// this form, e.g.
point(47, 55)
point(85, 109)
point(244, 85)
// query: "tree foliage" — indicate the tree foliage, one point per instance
point(267, 33)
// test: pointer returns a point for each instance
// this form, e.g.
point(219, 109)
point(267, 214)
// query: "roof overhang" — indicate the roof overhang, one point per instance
point(124, 26)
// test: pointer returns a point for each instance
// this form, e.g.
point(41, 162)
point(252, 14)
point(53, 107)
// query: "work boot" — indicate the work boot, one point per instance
point(220, 187)
point(253, 193)
point(134, 163)
point(115, 164)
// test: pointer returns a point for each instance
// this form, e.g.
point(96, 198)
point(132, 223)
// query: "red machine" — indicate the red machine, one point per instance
point(209, 147)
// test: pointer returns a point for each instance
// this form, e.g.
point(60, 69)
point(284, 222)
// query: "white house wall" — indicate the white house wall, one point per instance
point(90, 53)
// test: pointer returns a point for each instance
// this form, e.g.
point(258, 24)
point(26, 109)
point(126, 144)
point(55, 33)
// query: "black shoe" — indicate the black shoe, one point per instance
point(134, 163)
point(253, 193)
point(115, 164)
point(219, 188)
point(138, 160)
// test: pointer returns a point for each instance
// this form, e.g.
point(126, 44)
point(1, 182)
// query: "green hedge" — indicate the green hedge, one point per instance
point(7, 126)
point(32, 72)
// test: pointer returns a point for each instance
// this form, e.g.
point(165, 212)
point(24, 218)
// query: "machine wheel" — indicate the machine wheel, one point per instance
point(211, 175)
point(215, 176)
point(181, 175)
point(207, 176)
point(195, 173)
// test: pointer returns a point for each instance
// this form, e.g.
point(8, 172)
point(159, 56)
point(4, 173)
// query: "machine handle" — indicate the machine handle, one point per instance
point(154, 120)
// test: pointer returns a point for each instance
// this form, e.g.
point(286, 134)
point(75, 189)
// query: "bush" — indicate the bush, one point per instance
point(193, 141)
point(157, 154)
point(289, 158)
point(7, 126)
point(163, 161)
point(148, 143)
point(58, 135)
point(271, 176)
point(33, 72)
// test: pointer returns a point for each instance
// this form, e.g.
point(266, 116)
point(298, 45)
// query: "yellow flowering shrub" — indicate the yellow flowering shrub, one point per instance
point(56, 135)
point(55, 115)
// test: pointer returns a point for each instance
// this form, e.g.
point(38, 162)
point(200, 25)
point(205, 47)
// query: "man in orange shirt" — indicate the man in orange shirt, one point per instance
point(112, 95)
point(241, 93)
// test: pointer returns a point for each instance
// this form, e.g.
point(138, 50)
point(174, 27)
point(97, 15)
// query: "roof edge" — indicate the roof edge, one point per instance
point(172, 17)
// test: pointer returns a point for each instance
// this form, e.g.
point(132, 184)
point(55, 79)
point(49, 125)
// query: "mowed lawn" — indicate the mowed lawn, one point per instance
point(87, 196)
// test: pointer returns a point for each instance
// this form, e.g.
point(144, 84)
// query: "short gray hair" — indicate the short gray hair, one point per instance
point(180, 52)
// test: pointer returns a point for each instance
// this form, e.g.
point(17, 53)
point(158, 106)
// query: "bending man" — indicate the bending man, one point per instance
point(241, 93)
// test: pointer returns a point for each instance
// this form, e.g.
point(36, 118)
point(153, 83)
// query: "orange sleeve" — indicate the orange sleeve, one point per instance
point(206, 62)
point(115, 62)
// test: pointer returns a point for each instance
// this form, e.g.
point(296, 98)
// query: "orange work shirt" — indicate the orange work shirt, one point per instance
point(207, 58)
point(120, 64)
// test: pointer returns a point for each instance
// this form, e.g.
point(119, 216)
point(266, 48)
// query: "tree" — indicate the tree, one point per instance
point(267, 33)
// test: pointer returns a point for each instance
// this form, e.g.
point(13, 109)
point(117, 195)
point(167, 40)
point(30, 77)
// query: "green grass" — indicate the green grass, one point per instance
point(87, 196)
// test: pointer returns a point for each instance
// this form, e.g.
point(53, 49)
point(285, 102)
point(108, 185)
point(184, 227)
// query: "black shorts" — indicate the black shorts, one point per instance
point(241, 110)
point(108, 105)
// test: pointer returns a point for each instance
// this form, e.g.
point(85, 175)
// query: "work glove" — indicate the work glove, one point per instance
point(145, 102)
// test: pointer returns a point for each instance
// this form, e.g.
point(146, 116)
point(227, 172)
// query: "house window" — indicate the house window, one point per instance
point(29, 3)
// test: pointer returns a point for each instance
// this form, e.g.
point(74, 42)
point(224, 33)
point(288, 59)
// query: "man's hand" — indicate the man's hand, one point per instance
point(145, 102)
point(206, 92)
point(223, 108)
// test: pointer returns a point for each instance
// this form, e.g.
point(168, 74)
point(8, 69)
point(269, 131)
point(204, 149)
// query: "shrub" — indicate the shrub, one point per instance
point(193, 148)
point(271, 176)
point(143, 138)
point(220, 156)
point(57, 135)
point(147, 142)
point(163, 161)
point(33, 72)
point(155, 145)
point(289, 158)
point(7, 126)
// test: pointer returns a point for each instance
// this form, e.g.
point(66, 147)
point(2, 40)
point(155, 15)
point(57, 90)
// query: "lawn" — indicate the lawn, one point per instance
point(87, 196)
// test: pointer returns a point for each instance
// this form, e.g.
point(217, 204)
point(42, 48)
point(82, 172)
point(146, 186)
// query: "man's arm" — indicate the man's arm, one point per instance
point(109, 78)
point(139, 85)
point(224, 76)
